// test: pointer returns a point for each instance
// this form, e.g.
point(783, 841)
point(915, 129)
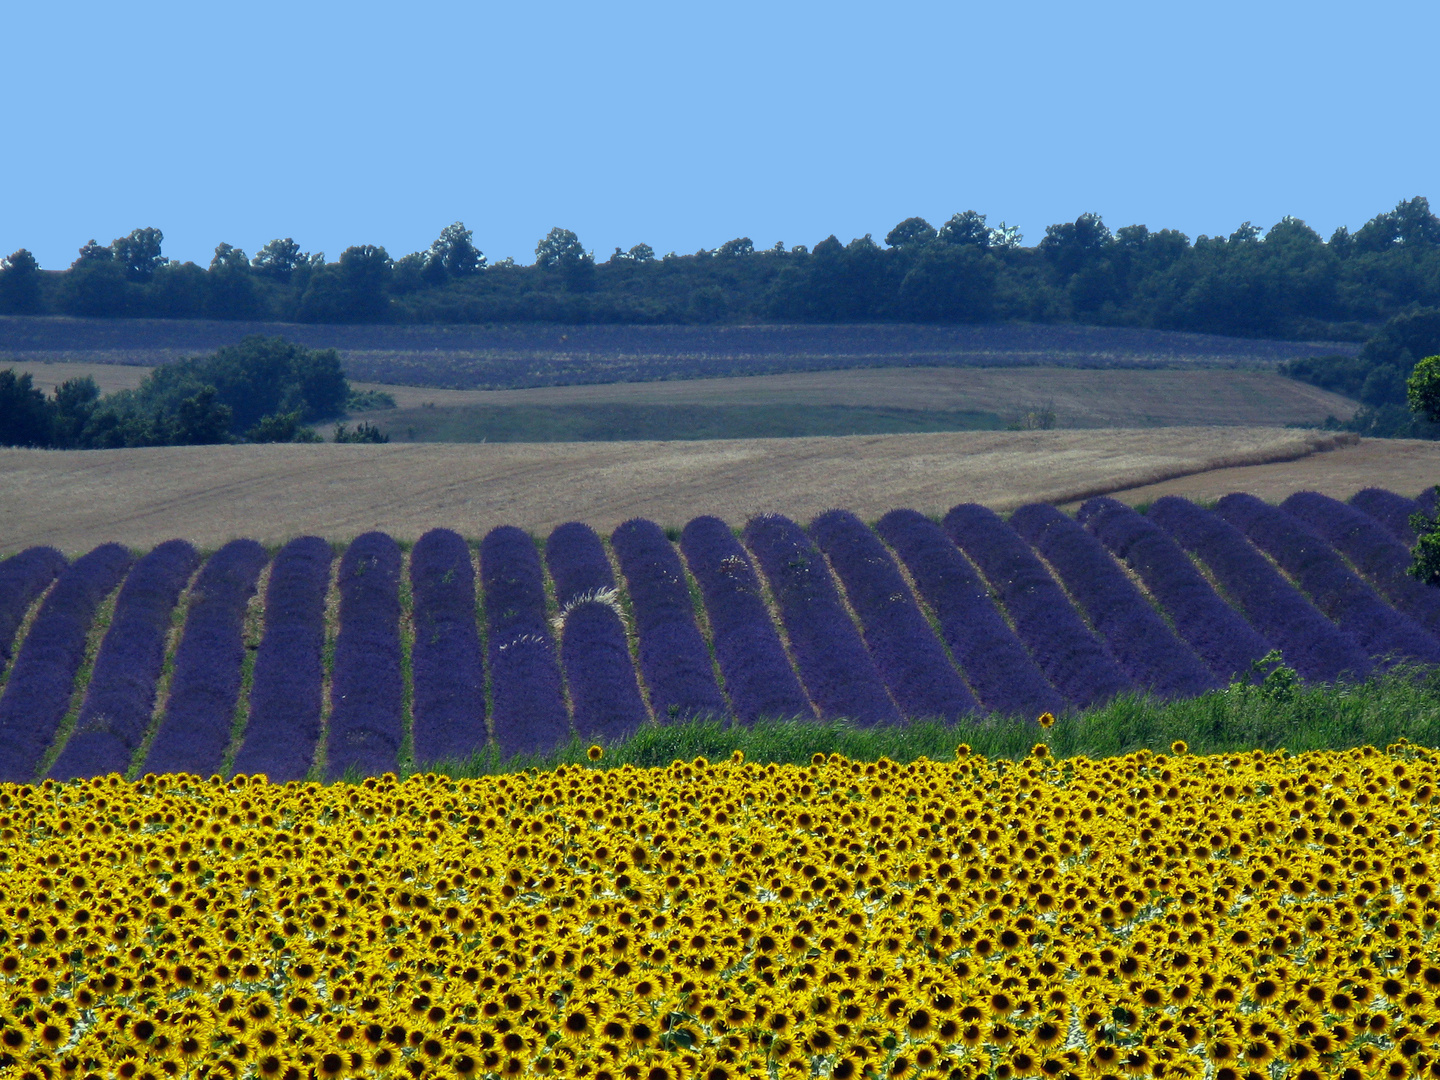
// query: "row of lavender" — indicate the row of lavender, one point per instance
point(1034, 615)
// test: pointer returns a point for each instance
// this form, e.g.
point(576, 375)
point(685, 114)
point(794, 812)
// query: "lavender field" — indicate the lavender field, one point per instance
point(329, 662)
point(534, 355)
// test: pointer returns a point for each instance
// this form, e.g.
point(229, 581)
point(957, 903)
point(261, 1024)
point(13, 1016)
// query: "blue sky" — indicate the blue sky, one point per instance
point(686, 124)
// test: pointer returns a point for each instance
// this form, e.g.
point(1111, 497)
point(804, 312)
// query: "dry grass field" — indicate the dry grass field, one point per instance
point(211, 494)
point(1081, 397)
point(1407, 466)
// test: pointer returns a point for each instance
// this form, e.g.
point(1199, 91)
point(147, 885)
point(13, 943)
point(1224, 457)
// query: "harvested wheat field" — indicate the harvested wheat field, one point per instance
point(211, 494)
point(1408, 466)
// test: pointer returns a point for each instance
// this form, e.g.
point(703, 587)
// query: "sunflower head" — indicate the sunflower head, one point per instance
point(1040, 750)
point(1046, 719)
point(963, 750)
point(595, 753)
point(1179, 747)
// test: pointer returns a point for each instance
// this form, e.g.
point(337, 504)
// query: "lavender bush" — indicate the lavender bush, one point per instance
point(41, 684)
point(23, 577)
point(603, 692)
point(674, 661)
point(120, 699)
point(1391, 510)
point(1333, 587)
point(285, 697)
point(1147, 649)
point(448, 706)
point(367, 687)
point(1310, 643)
point(1003, 676)
point(921, 678)
point(1372, 549)
point(577, 562)
point(835, 666)
point(529, 706)
point(1227, 643)
point(205, 686)
point(758, 675)
point(1070, 655)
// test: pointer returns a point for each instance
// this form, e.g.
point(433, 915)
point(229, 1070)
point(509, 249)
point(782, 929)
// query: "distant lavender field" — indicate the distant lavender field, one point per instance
point(512, 357)
point(1042, 612)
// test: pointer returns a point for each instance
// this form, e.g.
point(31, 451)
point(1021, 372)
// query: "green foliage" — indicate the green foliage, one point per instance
point(368, 400)
point(263, 389)
point(19, 284)
point(1403, 704)
point(1422, 389)
point(364, 432)
point(1425, 555)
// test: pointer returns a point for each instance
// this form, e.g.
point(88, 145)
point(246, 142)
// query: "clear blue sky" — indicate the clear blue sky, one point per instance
point(686, 124)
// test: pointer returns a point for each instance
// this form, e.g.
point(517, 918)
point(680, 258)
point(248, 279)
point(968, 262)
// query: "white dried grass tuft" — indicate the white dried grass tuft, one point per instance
point(608, 596)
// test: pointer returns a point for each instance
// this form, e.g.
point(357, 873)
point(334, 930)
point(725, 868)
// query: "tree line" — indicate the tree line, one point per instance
point(262, 390)
point(1285, 281)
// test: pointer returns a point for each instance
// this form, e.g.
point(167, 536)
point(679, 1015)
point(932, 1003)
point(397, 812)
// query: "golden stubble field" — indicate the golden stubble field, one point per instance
point(210, 494)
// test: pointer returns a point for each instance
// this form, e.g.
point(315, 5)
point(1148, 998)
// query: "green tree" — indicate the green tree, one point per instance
point(73, 406)
point(230, 288)
point(354, 290)
point(455, 253)
point(913, 232)
point(278, 259)
point(967, 229)
point(19, 284)
point(139, 253)
point(734, 249)
point(25, 415)
point(282, 428)
point(364, 432)
point(1422, 389)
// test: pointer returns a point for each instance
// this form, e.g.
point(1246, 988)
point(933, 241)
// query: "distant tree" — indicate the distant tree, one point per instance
point(1070, 246)
point(200, 420)
point(642, 253)
point(912, 232)
point(282, 428)
point(1005, 236)
point(25, 415)
point(707, 304)
point(967, 229)
point(1411, 224)
point(455, 253)
point(95, 287)
point(950, 283)
point(736, 248)
point(411, 272)
point(92, 253)
point(230, 288)
point(19, 284)
point(1422, 389)
point(178, 291)
point(559, 248)
point(355, 290)
point(278, 259)
point(139, 253)
point(72, 407)
point(364, 432)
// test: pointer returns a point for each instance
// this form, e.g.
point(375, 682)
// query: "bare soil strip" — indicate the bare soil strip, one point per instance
point(211, 494)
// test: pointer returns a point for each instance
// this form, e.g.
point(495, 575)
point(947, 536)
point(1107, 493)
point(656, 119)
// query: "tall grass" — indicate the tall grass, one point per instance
point(1278, 713)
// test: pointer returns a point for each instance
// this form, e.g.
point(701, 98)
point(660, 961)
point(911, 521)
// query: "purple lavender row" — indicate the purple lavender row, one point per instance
point(604, 696)
point(673, 658)
point(23, 577)
point(758, 675)
point(921, 678)
point(367, 688)
point(1070, 655)
point(835, 666)
point(448, 704)
point(603, 692)
point(1002, 674)
point(121, 696)
point(529, 706)
point(1372, 549)
point(41, 684)
point(1147, 649)
point(577, 562)
point(205, 687)
point(1309, 642)
point(1386, 634)
point(285, 696)
point(1220, 637)
point(1391, 510)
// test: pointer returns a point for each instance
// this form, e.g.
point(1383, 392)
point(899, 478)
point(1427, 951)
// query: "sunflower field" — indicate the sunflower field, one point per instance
point(1230, 916)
